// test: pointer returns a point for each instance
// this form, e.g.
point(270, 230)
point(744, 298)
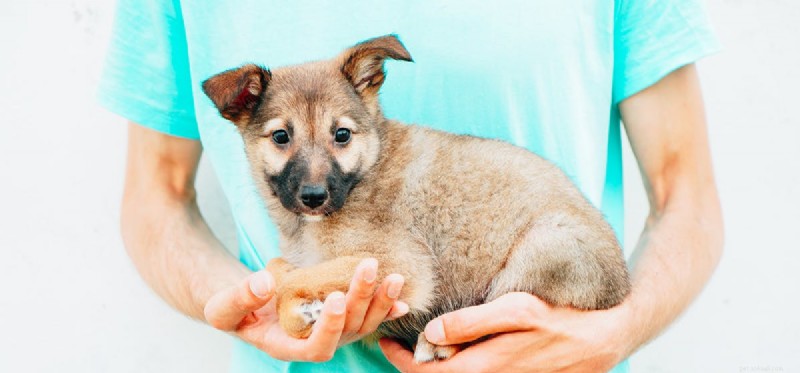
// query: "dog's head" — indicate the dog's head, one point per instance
point(310, 130)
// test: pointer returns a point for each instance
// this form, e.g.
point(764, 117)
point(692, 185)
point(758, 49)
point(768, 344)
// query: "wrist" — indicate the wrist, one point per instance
point(218, 277)
point(630, 327)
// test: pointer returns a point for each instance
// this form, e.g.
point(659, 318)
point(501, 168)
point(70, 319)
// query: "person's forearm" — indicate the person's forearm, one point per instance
point(676, 254)
point(174, 250)
point(682, 240)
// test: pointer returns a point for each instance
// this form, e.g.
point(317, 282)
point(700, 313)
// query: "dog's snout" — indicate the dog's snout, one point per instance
point(313, 196)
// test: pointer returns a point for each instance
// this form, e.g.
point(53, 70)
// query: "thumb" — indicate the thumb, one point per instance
point(508, 313)
point(227, 308)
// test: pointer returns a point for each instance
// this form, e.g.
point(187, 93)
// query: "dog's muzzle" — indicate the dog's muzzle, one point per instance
point(313, 196)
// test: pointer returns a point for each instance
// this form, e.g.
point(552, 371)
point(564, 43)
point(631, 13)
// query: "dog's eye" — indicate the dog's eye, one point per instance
point(280, 137)
point(342, 136)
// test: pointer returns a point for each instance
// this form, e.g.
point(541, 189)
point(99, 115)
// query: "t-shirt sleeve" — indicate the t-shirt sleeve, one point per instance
point(146, 77)
point(652, 38)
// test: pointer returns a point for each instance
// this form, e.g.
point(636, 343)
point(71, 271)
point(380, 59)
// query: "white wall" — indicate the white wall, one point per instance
point(71, 301)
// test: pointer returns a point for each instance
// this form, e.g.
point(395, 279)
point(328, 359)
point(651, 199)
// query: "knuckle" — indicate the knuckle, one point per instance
point(378, 310)
point(365, 330)
point(382, 300)
point(518, 298)
point(333, 328)
point(327, 356)
point(241, 301)
point(519, 313)
point(523, 305)
point(329, 326)
point(363, 291)
point(351, 329)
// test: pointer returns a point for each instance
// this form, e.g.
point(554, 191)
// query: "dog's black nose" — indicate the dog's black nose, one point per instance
point(313, 195)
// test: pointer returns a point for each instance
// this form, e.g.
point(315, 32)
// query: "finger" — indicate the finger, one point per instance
point(508, 313)
point(226, 309)
point(383, 302)
point(360, 293)
point(324, 338)
point(399, 309)
point(403, 360)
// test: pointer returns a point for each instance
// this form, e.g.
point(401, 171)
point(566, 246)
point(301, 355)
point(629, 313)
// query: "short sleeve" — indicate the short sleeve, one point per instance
point(655, 37)
point(146, 77)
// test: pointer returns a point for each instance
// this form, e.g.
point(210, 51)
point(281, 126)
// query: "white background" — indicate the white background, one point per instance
point(71, 301)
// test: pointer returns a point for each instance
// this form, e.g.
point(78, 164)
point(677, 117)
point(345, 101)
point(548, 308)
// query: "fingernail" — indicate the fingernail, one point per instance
point(337, 302)
point(371, 272)
point(434, 331)
point(394, 288)
point(400, 309)
point(261, 284)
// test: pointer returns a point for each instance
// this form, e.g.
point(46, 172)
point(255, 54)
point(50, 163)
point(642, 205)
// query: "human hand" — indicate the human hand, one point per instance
point(529, 336)
point(247, 310)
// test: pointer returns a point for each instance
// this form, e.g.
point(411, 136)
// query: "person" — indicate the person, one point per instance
point(558, 78)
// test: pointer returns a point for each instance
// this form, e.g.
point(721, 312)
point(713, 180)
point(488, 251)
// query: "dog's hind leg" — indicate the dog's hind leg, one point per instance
point(566, 260)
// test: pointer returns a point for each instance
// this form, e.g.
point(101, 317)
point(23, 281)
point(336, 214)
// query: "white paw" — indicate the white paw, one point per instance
point(426, 352)
point(444, 352)
point(310, 311)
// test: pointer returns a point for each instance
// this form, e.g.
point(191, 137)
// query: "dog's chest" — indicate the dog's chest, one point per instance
point(320, 241)
point(303, 249)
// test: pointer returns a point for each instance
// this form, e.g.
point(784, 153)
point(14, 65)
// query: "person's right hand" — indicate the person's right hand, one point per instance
point(248, 311)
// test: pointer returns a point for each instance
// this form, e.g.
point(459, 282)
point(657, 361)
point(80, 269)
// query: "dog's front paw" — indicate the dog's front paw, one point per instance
point(298, 315)
point(310, 311)
point(425, 351)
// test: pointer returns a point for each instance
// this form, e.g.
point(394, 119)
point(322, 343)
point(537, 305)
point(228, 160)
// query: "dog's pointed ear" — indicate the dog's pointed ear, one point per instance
point(362, 64)
point(237, 92)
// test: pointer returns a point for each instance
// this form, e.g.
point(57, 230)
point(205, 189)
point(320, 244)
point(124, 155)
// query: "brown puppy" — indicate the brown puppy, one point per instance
point(463, 219)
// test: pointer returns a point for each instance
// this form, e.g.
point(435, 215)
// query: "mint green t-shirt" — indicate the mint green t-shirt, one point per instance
point(546, 75)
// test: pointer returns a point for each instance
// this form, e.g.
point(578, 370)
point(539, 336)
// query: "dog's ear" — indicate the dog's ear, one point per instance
point(362, 64)
point(238, 92)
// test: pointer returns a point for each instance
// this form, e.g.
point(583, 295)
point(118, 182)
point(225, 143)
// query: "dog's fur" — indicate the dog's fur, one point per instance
point(463, 219)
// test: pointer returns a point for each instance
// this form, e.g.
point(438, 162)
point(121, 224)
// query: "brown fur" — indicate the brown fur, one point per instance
point(463, 219)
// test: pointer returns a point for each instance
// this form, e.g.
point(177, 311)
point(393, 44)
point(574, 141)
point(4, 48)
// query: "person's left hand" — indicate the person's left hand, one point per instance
point(532, 336)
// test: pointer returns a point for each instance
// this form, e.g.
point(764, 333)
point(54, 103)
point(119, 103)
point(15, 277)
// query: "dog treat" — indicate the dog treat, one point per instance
point(463, 219)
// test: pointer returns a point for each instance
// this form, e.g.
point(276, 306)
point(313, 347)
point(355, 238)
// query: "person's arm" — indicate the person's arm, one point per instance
point(165, 236)
point(683, 238)
point(173, 248)
point(678, 251)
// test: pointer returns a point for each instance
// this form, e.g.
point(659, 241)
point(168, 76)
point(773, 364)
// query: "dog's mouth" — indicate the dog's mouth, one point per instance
point(315, 214)
point(313, 218)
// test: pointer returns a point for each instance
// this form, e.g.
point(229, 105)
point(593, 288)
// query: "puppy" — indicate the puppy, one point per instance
point(463, 219)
